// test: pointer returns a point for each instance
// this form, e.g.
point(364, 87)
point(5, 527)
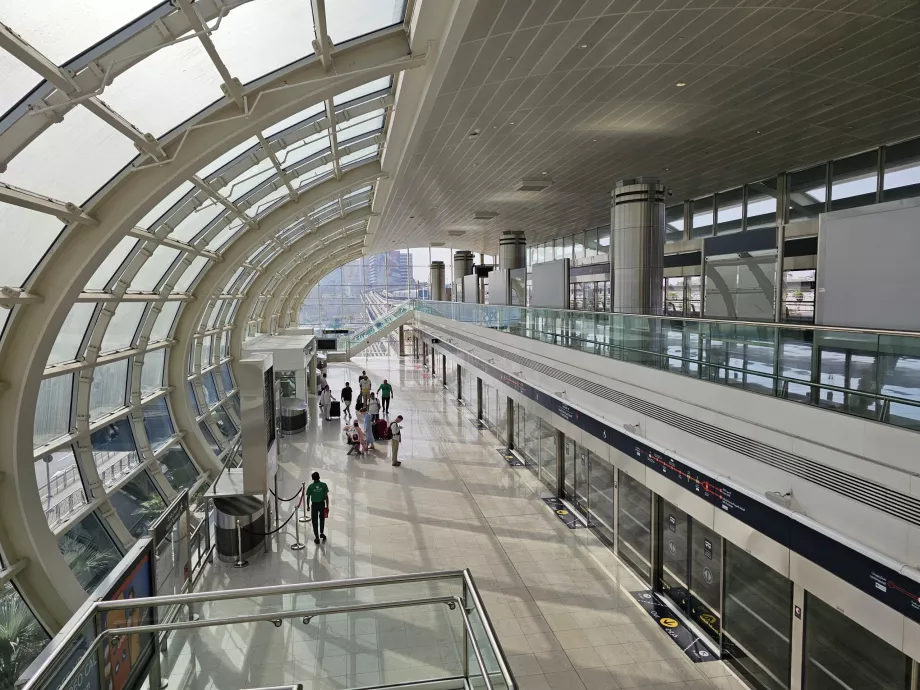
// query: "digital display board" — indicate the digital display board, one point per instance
point(268, 406)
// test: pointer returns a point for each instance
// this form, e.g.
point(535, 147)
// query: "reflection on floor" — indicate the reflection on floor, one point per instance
point(554, 594)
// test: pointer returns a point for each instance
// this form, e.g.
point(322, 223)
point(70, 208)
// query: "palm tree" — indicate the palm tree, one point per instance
point(88, 562)
point(21, 637)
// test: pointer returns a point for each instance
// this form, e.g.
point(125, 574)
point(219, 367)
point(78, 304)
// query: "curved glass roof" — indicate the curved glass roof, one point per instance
point(96, 100)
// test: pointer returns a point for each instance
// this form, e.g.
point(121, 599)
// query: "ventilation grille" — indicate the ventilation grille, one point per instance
point(865, 491)
point(534, 185)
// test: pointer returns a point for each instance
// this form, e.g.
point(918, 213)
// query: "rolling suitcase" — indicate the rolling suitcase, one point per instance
point(335, 409)
point(380, 429)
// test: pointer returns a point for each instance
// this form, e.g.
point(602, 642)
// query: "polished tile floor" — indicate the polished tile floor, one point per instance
point(558, 598)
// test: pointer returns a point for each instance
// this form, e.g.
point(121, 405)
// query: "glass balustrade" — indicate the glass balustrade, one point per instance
point(396, 630)
point(869, 374)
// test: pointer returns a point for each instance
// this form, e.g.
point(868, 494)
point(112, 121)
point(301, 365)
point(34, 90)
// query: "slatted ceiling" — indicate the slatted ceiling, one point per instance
point(766, 64)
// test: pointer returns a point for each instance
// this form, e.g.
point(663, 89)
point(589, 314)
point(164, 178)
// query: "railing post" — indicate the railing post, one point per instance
point(240, 563)
point(466, 636)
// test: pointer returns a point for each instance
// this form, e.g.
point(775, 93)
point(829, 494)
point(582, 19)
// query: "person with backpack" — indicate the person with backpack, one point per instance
point(373, 406)
point(364, 383)
point(318, 505)
point(395, 439)
point(368, 428)
point(346, 401)
point(386, 392)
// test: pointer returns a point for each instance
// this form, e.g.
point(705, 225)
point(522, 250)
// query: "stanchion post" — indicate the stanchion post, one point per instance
point(303, 506)
point(240, 563)
point(298, 545)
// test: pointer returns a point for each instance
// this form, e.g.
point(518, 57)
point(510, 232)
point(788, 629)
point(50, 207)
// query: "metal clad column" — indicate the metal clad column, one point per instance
point(463, 266)
point(637, 236)
point(437, 281)
point(512, 250)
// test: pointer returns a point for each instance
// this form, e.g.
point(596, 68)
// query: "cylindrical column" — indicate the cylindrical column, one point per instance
point(637, 239)
point(437, 281)
point(463, 266)
point(512, 250)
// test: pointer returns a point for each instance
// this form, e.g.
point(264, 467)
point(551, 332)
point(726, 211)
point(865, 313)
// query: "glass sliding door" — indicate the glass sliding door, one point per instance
point(673, 538)
point(600, 495)
point(582, 470)
point(757, 622)
point(634, 534)
point(548, 455)
point(569, 455)
point(840, 654)
point(705, 578)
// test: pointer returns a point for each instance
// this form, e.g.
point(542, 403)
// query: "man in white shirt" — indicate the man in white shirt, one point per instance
point(395, 438)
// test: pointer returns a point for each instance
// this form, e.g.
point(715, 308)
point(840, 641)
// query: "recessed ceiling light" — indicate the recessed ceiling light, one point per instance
point(681, 83)
point(757, 132)
point(545, 172)
point(511, 123)
point(594, 140)
point(509, 58)
point(666, 169)
point(583, 46)
point(474, 133)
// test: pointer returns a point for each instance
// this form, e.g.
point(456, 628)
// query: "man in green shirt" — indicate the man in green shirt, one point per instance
point(318, 496)
point(386, 392)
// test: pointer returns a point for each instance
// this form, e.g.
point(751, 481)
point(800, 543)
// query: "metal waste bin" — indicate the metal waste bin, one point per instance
point(293, 416)
point(251, 513)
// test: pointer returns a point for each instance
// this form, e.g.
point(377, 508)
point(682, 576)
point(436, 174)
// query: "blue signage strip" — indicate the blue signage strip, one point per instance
point(888, 586)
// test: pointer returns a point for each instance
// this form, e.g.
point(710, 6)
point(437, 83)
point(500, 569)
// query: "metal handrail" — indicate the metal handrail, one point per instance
point(228, 458)
point(733, 322)
point(471, 592)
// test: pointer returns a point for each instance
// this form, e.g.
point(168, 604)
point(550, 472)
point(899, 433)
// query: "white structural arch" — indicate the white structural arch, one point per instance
point(180, 238)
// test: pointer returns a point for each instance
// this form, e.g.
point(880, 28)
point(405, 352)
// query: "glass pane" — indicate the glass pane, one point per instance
point(110, 264)
point(163, 325)
point(109, 388)
point(674, 223)
point(902, 170)
point(122, 326)
point(807, 192)
point(155, 215)
point(89, 551)
point(153, 269)
point(348, 19)
point(841, 654)
point(260, 37)
point(69, 339)
point(209, 438)
point(52, 411)
point(673, 533)
point(166, 88)
point(855, 181)
point(26, 236)
point(210, 389)
point(178, 468)
point(86, 152)
point(702, 217)
point(114, 451)
point(761, 204)
point(18, 80)
point(60, 488)
point(363, 90)
point(76, 26)
point(591, 243)
point(157, 423)
point(226, 377)
point(603, 240)
point(190, 274)
point(600, 497)
point(152, 372)
point(730, 203)
point(22, 636)
point(138, 504)
point(705, 578)
point(634, 538)
point(758, 619)
point(224, 425)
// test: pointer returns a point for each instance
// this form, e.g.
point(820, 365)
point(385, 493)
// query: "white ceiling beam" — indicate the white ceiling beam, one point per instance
point(16, 46)
point(142, 234)
point(135, 297)
point(145, 143)
point(223, 201)
point(292, 193)
point(66, 211)
point(10, 297)
point(231, 87)
point(333, 139)
point(322, 45)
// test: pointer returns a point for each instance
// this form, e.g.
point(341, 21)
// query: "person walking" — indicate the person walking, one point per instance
point(373, 406)
point(346, 401)
point(395, 438)
point(368, 428)
point(386, 392)
point(364, 383)
point(318, 505)
point(325, 400)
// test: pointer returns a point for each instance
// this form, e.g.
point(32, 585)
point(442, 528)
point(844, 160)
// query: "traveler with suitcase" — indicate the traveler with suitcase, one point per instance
point(395, 434)
point(373, 406)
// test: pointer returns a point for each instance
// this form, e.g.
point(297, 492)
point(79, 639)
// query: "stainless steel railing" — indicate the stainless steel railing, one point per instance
point(479, 642)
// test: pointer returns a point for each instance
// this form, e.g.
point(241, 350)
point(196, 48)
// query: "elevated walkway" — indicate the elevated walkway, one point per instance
point(354, 343)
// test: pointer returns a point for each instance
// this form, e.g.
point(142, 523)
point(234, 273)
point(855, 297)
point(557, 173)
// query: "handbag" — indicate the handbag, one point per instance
point(325, 513)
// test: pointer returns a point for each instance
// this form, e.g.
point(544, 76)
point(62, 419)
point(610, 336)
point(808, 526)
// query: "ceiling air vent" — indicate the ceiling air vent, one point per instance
point(437, 244)
point(534, 185)
point(455, 233)
point(484, 215)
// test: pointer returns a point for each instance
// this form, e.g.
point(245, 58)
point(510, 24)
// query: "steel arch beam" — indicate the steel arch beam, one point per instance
point(48, 583)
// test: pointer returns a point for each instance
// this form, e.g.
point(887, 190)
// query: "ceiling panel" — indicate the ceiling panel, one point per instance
point(586, 92)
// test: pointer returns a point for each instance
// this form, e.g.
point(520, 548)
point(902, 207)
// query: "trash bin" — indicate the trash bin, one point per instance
point(251, 513)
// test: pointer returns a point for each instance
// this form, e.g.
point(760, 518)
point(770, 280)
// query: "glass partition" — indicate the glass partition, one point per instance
point(634, 516)
point(89, 551)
